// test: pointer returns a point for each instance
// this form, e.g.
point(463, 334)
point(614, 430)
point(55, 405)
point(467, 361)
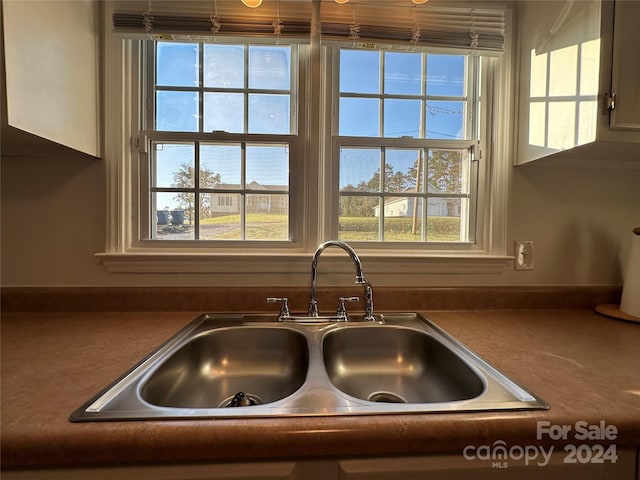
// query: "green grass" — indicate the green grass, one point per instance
point(259, 226)
point(251, 218)
point(439, 229)
point(275, 227)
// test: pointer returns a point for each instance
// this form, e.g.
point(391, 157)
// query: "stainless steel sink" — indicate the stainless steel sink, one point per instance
point(402, 364)
point(397, 365)
point(264, 363)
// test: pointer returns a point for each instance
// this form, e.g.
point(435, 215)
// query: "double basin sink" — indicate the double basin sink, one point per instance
point(228, 365)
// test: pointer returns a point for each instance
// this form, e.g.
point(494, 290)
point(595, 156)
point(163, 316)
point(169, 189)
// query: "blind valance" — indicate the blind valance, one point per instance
point(397, 22)
point(165, 19)
point(402, 23)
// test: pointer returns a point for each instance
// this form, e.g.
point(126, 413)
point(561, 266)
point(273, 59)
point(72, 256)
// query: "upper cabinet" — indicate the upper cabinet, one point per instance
point(53, 70)
point(579, 83)
point(625, 79)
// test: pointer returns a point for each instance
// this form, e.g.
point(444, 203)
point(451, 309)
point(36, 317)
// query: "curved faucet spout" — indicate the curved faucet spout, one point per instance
point(360, 280)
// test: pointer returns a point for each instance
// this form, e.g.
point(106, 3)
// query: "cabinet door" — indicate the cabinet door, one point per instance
point(52, 70)
point(626, 67)
point(455, 467)
point(559, 71)
point(221, 471)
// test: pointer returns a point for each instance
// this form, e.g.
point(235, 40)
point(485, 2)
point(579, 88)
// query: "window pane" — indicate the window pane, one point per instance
point(224, 112)
point(420, 192)
point(402, 169)
point(224, 66)
point(538, 82)
point(220, 217)
point(269, 114)
point(562, 124)
point(537, 123)
point(220, 165)
point(358, 218)
point(359, 71)
point(403, 219)
point(173, 214)
point(403, 73)
point(587, 112)
point(360, 169)
point(360, 117)
point(445, 75)
point(402, 118)
point(244, 90)
point(267, 167)
point(269, 68)
point(174, 165)
point(443, 220)
point(445, 120)
point(447, 171)
point(563, 71)
point(177, 111)
point(177, 64)
point(267, 217)
point(589, 67)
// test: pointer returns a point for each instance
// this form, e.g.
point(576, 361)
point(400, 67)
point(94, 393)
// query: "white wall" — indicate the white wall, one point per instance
point(53, 221)
point(579, 219)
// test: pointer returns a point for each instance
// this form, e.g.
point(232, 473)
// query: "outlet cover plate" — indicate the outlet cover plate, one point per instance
point(523, 252)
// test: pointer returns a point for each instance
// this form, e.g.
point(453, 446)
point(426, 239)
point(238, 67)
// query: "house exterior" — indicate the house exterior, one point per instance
point(260, 199)
point(403, 207)
point(437, 206)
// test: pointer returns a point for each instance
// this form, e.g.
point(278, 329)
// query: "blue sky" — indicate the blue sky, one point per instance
point(369, 73)
point(363, 72)
point(265, 164)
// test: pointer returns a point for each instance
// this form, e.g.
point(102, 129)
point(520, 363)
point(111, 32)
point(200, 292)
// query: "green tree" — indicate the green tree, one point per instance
point(397, 181)
point(445, 170)
point(357, 206)
point(184, 178)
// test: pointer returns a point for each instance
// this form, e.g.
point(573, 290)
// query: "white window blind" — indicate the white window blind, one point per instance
point(399, 22)
point(396, 22)
point(193, 19)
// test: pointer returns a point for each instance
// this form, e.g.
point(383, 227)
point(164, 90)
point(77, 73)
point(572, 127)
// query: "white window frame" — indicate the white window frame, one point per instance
point(126, 253)
point(337, 142)
point(149, 136)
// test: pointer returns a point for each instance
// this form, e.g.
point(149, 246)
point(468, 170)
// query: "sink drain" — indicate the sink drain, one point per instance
point(251, 399)
point(386, 397)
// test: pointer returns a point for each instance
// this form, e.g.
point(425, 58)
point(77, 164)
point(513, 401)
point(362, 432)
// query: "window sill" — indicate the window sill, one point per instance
point(299, 263)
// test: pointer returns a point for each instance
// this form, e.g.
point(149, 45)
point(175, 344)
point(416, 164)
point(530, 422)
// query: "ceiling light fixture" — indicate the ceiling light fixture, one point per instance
point(252, 3)
point(342, 1)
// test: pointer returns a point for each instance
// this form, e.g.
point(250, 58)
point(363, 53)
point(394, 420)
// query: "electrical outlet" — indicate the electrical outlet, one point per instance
point(523, 251)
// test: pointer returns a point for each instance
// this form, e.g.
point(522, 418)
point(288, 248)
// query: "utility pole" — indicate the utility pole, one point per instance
point(414, 225)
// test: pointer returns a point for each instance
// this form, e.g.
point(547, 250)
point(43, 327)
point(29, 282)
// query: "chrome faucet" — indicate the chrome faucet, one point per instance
point(360, 280)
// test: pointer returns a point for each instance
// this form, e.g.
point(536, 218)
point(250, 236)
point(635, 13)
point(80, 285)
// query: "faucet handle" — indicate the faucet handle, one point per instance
point(342, 309)
point(284, 308)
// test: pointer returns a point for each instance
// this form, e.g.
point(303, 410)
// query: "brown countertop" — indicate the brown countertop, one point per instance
point(585, 365)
